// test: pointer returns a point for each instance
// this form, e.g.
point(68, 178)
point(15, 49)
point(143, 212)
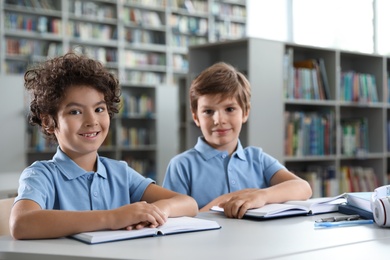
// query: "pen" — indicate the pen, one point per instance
point(343, 223)
point(339, 218)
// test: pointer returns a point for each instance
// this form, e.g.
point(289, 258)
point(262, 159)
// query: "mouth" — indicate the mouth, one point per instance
point(220, 131)
point(89, 135)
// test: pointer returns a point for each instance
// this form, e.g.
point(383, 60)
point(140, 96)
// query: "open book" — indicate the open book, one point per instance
point(295, 207)
point(172, 226)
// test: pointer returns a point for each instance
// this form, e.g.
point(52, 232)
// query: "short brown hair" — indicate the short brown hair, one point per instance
point(48, 81)
point(221, 78)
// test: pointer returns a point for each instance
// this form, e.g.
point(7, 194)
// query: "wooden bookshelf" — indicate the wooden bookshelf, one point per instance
point(322, 151)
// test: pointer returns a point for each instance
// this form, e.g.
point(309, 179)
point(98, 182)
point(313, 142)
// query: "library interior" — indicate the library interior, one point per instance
point(320, 105)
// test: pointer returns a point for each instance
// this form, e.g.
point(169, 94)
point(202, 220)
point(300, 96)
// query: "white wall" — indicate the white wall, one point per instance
point(12, 129)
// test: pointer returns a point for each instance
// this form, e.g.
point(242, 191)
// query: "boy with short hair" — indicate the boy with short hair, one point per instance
point(218, 171)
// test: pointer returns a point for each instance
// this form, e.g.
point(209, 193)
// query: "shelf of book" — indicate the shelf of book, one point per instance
point(105, 29)
point(145, 43)
point(229, 19)
point(310, 128)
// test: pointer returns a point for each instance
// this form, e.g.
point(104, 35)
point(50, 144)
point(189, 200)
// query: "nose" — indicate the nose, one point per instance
point(218, 118)
point(90, 119)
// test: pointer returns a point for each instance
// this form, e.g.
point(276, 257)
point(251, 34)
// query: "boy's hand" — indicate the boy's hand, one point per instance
point(241, 201)
point(138, 215)
point(141, 226)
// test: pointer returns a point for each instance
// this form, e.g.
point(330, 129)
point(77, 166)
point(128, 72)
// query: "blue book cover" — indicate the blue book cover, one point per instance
point(351, 210)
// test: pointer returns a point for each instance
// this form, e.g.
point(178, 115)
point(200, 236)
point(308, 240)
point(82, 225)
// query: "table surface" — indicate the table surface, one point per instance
point(284, 238)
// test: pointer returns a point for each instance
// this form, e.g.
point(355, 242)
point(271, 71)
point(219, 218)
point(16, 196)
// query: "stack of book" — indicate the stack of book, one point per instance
point(358, 203)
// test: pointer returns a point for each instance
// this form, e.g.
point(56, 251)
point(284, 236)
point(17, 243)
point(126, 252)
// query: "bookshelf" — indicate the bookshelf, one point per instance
point(322, 150)
point(145, 43)
point(229, 20)
point(122, 34)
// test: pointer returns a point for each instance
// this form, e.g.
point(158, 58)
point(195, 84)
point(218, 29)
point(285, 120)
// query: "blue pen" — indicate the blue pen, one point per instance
point(343, 223)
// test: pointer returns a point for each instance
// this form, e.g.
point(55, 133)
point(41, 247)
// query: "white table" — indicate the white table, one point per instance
point(287, 238)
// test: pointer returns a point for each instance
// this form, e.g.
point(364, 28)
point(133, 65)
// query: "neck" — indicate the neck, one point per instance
point(88, 161)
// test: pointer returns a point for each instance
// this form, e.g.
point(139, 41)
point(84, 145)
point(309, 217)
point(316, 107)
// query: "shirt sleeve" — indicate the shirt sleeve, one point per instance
point(271, 166)
point(176, 178)
point(35, 185)
point(137, 184)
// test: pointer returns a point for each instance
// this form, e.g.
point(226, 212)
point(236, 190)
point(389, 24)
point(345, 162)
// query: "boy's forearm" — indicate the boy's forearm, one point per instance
point(179, 205)
point(57, 223)
point(289, 190)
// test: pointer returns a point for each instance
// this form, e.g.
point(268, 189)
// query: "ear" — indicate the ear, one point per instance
point(48, 124)
point(245, 116)
point(195, 118)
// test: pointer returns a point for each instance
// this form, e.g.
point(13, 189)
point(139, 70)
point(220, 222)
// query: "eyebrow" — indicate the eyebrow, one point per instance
point(232, 104)
point(75, 104)
point(225, 105)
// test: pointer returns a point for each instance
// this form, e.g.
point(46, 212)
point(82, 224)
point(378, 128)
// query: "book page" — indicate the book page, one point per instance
point(186, 224)
point(315, 201)
point(112, 235)
point(321, 205)
point(272, 210)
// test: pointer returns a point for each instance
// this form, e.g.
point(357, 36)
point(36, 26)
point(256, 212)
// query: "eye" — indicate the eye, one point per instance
point(75, 112)
point(100, 109)
point(208, 112)
point(230, 109)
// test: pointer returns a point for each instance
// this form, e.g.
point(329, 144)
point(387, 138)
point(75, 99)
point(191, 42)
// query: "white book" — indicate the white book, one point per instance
point(172, 226)
point(295, 207)
point(361, 200)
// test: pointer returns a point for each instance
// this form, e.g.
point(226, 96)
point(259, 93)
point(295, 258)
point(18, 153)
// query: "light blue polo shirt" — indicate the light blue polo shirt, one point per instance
point(205, 173)
point(61, 184)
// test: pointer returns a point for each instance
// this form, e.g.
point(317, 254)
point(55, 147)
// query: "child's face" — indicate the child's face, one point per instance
point(82, 121)
point(220, 121)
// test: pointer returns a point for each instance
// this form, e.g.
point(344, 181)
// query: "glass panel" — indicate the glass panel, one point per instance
point(383, 21)
point(268, 19)
point(346, 24)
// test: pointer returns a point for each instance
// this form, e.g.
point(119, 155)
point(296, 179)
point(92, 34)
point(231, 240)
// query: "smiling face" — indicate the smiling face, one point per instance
point(82, 122)
point(220, 121)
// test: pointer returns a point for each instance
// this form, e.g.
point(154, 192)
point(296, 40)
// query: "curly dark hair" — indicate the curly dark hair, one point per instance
point(48, 81)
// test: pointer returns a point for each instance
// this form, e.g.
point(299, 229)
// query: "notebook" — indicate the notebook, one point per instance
point(172, 226)
point(295, 207)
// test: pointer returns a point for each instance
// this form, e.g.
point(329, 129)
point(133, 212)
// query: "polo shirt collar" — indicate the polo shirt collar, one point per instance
point(71, 170)
point(208, 152)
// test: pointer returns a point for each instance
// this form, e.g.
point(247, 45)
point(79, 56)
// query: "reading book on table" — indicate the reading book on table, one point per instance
point(172, 226)
point(295, 207)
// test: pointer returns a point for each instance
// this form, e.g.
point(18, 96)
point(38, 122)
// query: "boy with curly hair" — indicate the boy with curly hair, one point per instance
point(73, 99)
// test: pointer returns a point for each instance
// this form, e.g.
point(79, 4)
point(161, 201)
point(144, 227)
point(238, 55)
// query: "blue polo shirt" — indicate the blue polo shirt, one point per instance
point(61, 184)
point(205, 173)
